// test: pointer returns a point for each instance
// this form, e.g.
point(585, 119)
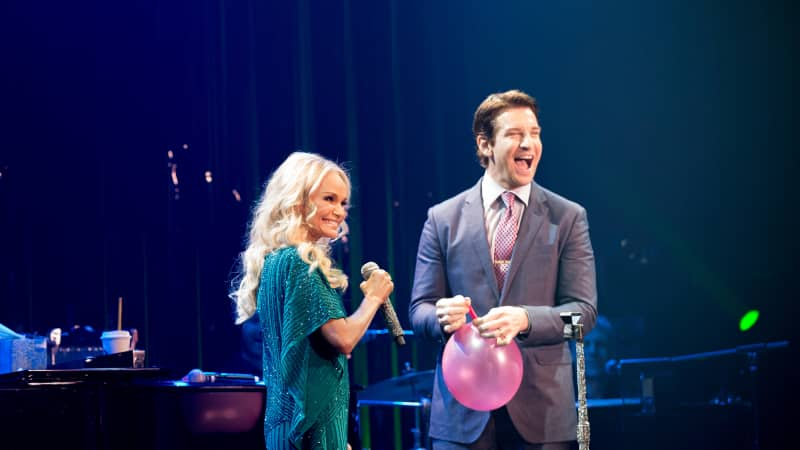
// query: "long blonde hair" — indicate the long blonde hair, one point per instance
point(279, 221)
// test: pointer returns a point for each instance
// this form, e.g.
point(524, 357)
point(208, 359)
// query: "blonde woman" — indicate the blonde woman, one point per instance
point(288, 279)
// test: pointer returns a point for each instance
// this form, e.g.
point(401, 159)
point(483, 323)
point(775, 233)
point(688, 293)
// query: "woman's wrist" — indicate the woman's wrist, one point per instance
point(374, 299)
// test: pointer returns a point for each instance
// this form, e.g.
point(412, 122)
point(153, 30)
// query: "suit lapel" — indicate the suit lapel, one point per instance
point(476, 233)
point(532, 220)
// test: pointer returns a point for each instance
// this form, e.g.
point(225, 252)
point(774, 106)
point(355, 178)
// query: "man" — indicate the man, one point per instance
point(520, 255)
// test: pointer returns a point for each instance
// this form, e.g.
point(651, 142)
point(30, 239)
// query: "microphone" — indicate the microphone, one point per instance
point(198, 376)
point(392, 322)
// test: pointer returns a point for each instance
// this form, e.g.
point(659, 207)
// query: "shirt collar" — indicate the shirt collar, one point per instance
point(490, 190)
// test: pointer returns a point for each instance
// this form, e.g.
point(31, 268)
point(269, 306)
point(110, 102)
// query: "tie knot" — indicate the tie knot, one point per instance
point(508, 198)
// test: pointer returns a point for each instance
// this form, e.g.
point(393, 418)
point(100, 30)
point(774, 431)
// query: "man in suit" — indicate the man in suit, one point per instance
point(520, 255)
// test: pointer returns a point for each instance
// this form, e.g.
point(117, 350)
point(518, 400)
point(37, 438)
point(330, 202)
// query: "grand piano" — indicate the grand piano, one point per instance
point(127, 408)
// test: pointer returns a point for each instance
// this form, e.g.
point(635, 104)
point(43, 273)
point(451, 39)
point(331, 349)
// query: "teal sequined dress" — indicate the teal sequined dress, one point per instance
point(307, 382)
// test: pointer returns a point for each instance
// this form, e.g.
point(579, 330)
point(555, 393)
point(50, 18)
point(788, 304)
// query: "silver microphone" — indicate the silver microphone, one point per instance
point(392, 322)
point(198, 376)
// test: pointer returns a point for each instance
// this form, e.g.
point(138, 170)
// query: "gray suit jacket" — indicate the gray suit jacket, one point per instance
point(552, 271)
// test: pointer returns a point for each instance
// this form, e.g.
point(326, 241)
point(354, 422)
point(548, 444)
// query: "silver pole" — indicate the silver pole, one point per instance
point(573, 329)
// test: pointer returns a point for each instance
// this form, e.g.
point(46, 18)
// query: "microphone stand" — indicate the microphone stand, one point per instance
point(573, 329)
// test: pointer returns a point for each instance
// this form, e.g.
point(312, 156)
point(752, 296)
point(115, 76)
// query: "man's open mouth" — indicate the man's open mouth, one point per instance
point(524, 162)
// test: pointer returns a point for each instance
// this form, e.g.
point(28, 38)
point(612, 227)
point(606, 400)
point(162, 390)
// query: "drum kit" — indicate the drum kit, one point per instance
point(405, 390)
point(412, 389)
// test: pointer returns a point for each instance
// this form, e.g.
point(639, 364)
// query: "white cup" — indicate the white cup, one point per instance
point(116, 341)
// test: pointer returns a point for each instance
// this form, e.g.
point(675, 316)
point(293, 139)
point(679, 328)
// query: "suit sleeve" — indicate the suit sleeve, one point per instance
point(430, 283)
point(576, 289)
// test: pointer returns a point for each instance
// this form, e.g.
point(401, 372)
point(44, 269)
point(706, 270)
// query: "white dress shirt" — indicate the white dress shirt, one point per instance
point(494, 208)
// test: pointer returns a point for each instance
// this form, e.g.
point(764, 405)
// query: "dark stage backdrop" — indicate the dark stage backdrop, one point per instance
point(669, 121)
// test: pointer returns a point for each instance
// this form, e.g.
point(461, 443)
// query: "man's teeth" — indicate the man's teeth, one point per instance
point(527, 159)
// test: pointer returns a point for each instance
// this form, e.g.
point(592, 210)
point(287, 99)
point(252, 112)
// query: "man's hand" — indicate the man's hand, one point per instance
point(452, 312)
point(503, 323)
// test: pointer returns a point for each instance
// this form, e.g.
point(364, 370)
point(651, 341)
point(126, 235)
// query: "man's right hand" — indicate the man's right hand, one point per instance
point(452, 312)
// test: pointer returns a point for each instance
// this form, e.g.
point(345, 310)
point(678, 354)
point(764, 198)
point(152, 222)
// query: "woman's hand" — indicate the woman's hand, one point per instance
point(345, 333)
point(378, 287)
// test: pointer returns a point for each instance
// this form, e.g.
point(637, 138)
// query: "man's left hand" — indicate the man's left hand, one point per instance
point(503, 323)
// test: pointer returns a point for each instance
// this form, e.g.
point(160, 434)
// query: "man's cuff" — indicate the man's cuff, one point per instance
point(524, 334)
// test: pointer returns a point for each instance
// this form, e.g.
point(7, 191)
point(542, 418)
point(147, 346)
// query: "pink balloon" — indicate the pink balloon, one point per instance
point(480, 374)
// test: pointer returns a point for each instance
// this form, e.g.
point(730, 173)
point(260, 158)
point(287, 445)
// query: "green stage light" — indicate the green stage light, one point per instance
point(748, 320)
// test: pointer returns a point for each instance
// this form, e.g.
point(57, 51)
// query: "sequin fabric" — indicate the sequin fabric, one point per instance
point(307, 382)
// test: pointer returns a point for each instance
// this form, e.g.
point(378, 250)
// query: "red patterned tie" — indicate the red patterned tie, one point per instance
point(504, 238)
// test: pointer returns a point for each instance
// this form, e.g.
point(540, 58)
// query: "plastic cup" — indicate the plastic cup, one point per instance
point(116, 341)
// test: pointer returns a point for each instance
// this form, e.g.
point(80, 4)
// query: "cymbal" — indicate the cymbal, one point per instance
point(381, 332)
point(372, 334)
point(405, 388)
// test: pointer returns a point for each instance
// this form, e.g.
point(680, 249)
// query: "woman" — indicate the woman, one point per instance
point(289, 278)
